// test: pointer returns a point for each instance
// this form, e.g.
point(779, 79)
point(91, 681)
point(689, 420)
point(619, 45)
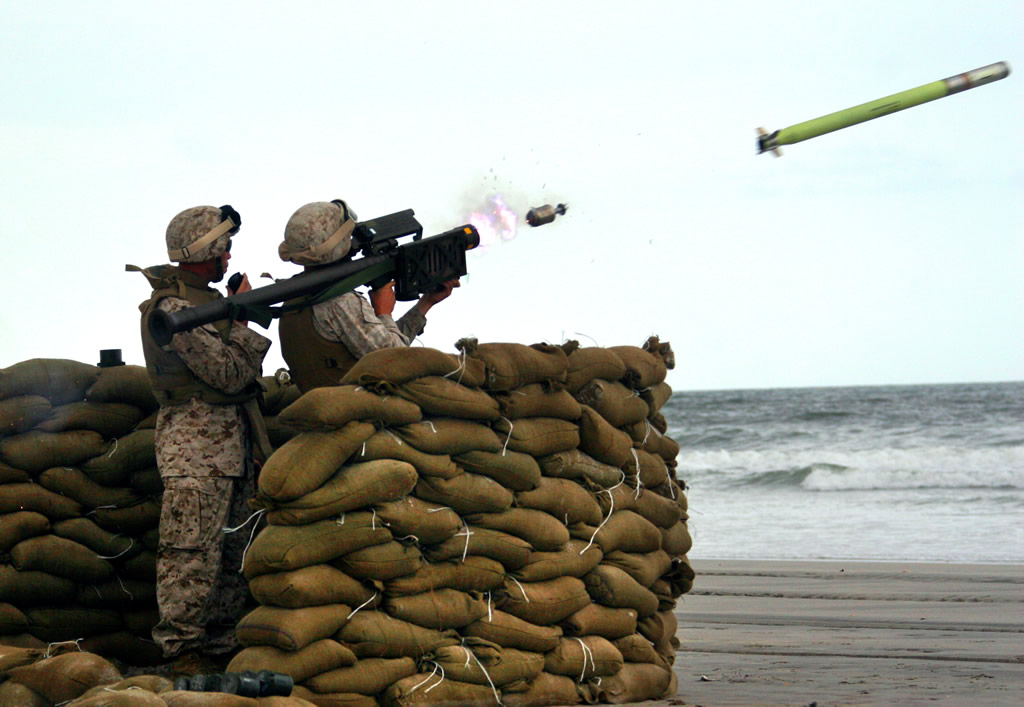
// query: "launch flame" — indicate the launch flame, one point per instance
point(495, 221)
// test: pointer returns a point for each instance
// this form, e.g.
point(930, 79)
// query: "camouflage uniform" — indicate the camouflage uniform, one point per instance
point(204, 454)
point(206, 382)
point(350, 320)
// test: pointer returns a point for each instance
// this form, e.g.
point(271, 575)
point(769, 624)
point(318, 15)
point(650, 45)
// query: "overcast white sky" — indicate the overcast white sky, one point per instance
point(890, 252)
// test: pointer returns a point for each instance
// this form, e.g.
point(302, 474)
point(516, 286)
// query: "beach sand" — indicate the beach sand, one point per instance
point(837, 632)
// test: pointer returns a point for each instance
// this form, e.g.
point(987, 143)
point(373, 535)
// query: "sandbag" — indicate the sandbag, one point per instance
point(643, 368)
point(562, 498)
point(637, 649)
point(538, 436)
point(280, 548)
point(679, 577)
point(135, 519)
point(313, 659)
point(575, 464)
point(575, 560)
point(486, 664)
point(543, 603)
point(108, 419)
point(351, 487)
point(65, 677)
point(10, 475)
point(656, 396)
point(333, 699)
point(75, 484)
point(509, 550)
point(598, 620)
point(466, 493)
point(513, 470)
point(380, 562)
point(542, 531)
point(583, 658)
point(147, 482)
point(445, 435)
point(430, 689)
point(30, 588)
point(645, 568)
point(33, 497)
point(333, 407)
point(601, 441)
point(610, 586)
point(308, 459)
point(510, 366)
point(291, 629)
point(614, 402)
point(71, 623)
point(660, 628)
point(623, 530)
point(411, 518)
point(117, 592)
point(368, 677)
point(590, 362)
point(140, 566)
point(635, 682)
point(12, 620)
point(36, 450)
point(122, 457)
point(127, 647)
point(19, 525)
point(22, 413)
point(123, 384)
point(546, 689)
point(13, 656)
point(536, 400)
point(511, 631)
point(385, 444)
point(661, 511)
point(676, 540)
point(59, 380)
point(398, 365)
point(646, 468)
point(375, 634)
point(61, 557)
point(14, 694)
point(439, 609)
point(310, 586)
point(278, 392)
point(437, 396)
point(474, 574)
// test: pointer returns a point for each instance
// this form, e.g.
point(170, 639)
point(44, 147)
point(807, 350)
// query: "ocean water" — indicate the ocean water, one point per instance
point(917, 473)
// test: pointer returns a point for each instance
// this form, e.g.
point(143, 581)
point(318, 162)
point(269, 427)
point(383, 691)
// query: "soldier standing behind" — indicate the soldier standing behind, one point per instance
point(209, 421)
point(321, 343)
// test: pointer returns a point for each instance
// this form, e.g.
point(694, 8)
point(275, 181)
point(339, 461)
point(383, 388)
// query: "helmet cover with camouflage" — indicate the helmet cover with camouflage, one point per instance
point(201, 233)
point(318, 233)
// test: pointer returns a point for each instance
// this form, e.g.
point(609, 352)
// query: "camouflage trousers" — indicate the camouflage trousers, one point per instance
point(200, 590)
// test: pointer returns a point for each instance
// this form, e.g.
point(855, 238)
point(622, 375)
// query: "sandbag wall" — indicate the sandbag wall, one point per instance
point(80, 506)
point(499, 525)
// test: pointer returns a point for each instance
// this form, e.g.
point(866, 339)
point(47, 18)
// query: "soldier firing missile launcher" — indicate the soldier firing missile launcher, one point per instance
point(540, 215)
point(770, 142)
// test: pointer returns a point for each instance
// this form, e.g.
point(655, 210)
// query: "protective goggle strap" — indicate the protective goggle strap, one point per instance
point(343, 231)
point(203, 241)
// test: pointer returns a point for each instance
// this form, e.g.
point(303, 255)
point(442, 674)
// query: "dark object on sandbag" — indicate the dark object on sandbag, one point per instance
point(265, 683)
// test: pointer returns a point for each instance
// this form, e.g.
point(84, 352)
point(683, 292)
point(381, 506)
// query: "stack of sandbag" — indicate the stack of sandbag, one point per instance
point(498, 524)
point(79, 506)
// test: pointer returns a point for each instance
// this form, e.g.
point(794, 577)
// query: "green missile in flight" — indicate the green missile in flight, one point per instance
point(770, 142)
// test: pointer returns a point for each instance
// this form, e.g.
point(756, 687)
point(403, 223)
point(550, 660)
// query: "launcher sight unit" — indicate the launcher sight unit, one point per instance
point(417, 267)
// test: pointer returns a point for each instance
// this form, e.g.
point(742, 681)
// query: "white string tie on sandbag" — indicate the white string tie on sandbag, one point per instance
point(497, 697)
point(432, 674)
point(461, 370)
point(430, 424)
point(252, 533)
point(373, 519)
point(507, 439)
point(49, 646)
point(639, 484)
point(490, 613)
point(125, 589)
point(521, 589)
point(131, 543)
point(361, 606)
point(586, 652)
point(647, 430)
point(611, 509)
point(114, 449)
point(341, 520)
point(397, 438)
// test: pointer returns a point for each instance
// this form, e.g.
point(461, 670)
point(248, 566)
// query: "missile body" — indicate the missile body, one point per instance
point(883, 106)
point(540, 215)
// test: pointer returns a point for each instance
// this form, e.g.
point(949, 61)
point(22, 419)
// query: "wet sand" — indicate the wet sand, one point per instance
point(836, 633)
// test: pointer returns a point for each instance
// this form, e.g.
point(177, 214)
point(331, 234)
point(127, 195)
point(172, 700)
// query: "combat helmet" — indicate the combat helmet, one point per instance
point(318, 233)
point(201, 233)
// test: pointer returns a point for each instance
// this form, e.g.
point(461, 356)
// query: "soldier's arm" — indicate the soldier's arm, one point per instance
point(229, 365)
point(350, 320)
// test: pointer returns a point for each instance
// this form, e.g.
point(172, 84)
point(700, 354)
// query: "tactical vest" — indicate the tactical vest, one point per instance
point(313, 361)
point(172, 381)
